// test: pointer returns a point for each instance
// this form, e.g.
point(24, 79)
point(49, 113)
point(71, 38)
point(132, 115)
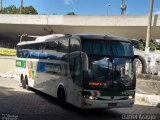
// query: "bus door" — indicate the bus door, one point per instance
point(75, 72)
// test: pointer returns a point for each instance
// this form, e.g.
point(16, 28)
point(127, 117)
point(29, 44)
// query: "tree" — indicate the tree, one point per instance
point(29, 10)
point(9, 10)
point(143, 44)
point(71, 13)
point(152, 45)
point(12, 9)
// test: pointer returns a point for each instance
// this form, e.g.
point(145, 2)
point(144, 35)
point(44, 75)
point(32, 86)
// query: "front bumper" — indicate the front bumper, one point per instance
point(88, 103)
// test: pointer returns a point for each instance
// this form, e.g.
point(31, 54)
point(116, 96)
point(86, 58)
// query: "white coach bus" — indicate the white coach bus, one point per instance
point(85, 70)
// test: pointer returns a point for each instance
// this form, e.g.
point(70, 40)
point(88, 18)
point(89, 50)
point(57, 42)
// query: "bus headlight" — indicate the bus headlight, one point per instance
point(90, 97)
point(130, 97)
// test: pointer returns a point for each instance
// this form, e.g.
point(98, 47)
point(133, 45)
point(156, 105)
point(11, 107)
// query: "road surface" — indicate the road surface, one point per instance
point(19, 104)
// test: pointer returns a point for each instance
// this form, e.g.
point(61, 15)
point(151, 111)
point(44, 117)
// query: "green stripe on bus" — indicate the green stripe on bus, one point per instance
point(21, 63)
point(31, 65)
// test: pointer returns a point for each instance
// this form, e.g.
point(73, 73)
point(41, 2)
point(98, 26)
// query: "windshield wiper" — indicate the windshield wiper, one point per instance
point(114, 76)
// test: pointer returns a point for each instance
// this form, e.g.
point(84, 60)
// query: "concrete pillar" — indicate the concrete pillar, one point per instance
point(21, 6)
point(148, 37)
point(0, 5)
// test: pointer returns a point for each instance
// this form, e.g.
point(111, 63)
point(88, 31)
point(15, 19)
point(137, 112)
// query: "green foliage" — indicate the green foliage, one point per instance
point(12, 9)
point(152, 46)
point(9, 10)
point(143, 43)
point(141, 46)
point(29, 10)
point(71, 13)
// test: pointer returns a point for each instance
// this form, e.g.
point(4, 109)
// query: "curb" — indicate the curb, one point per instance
point(153, 100)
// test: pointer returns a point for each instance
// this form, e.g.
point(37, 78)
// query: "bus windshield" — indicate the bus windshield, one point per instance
point(107, 48)
point(110, 65)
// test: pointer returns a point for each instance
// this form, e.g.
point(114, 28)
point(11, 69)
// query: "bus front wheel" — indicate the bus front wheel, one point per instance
point(62, 98)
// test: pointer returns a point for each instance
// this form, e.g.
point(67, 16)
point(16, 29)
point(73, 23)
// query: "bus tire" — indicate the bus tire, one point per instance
point(26, 83)
point(62, 98)
point(23, 83)
point(143, 61)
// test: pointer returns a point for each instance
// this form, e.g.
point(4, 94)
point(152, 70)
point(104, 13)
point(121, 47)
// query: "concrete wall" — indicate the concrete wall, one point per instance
point(149, 84)
point(7, 64)
point(71, 20)
point(128, 26)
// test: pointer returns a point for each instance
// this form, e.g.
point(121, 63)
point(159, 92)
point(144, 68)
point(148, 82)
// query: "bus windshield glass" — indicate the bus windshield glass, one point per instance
point(107, 48)
point(110, 65)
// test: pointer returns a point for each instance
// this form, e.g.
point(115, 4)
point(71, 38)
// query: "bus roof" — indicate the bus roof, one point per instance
point(41, 39)
point(102, 36)
point(47, 38)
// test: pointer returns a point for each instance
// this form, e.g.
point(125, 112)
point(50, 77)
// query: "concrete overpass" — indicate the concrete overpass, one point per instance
point(129, 26)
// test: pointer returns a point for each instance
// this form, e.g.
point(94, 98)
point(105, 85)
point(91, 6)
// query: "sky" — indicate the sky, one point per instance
point(88, 7)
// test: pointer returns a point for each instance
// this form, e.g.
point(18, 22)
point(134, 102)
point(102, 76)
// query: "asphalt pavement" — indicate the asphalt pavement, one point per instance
point(19, 104)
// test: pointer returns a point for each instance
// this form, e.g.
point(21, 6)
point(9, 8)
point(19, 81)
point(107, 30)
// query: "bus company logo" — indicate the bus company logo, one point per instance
point(32, 69)
point(97, 84)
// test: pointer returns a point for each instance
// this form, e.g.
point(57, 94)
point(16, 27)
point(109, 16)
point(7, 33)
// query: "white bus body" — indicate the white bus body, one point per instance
point(62, 66)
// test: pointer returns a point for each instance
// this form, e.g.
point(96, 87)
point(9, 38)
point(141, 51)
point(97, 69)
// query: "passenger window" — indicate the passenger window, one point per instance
point(75, 69)
point(74, 45)
point(53, 69)
point(52, 45)
point(57, 49)
point(63, 46)
point(51, 50)
point(30, 51)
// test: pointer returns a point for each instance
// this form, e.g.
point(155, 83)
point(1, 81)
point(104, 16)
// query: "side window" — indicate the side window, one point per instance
point(53, 69)
point(57, 49)
point(30, 51)
point(53, 45)
point(63, 46)
point(21, 52)
point(74, 45)
point(25, 51)
point(75, 69)
point(50, 51)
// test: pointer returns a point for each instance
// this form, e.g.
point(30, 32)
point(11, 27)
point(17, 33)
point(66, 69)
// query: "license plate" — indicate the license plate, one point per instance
point(112, 104)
